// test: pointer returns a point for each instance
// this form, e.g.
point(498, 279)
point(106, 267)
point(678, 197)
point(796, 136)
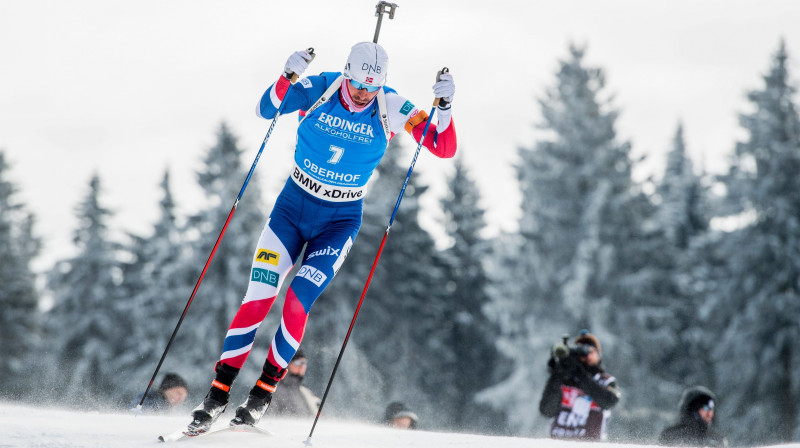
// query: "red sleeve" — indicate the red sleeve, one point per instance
point(282, 86)
point(441, 145)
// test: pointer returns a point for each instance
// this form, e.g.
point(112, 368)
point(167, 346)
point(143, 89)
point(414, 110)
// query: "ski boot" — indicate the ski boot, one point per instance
point(204, 415)
point(251, 411)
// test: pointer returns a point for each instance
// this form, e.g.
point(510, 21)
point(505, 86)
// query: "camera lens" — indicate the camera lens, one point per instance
point(583, 350)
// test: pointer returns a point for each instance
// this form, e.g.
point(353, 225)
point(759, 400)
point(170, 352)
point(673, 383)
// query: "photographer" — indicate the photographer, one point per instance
point(579, 393)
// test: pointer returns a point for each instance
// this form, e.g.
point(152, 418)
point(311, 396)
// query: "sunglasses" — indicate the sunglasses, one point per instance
point(299, 362)
point(366, 87)
point(708, 408)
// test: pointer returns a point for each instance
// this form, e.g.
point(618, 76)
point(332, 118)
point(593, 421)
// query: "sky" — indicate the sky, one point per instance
point(25, 426)
point(127, 90)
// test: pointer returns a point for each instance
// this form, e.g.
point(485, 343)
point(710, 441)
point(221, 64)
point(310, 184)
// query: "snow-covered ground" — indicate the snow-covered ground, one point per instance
point(26, 426)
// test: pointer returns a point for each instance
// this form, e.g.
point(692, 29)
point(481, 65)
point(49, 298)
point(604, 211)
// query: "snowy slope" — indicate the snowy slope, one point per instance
point(24, 426)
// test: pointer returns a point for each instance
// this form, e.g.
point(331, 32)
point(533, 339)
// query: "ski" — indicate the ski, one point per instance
point(182, 434)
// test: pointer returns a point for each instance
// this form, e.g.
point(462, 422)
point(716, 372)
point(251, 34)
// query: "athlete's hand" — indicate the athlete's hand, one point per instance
point(445, 89)
point(297, 63)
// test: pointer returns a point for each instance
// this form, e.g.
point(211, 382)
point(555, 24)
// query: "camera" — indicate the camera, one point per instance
point(562, 350)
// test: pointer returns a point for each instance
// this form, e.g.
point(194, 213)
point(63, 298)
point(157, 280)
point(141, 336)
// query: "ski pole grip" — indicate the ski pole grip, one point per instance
point(293, 76)
point(439, 78)
point(384, 7)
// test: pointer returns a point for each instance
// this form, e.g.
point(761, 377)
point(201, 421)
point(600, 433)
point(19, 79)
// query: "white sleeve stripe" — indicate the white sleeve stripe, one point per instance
point(276, 102)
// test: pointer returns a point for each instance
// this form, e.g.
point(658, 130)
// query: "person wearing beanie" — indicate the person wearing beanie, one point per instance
point(579, 393)
point(586, 338)
point(696, 409)
point(170, 394)
point(397, 415)
point(347, 119)
point(293, 398)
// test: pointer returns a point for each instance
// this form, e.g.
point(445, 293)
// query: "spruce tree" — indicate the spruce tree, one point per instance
point(468, 335)
point(683, 204)
point(578, 210)
point(83, 324)
point(756, 309)
point(199, 342)
point(19, 321)
point(156, 285)
point(682, 225)
point(654, 306)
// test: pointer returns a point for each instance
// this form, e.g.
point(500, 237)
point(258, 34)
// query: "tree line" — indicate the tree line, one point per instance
point(462, 334)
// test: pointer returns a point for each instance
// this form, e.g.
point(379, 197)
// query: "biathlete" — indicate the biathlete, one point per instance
point(347, 120)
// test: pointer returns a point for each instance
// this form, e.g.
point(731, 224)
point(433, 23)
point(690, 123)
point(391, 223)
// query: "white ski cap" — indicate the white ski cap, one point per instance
point(367, 64)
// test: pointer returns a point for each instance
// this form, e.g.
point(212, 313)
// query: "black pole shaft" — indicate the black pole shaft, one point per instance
point(347, 337)
point(382, 8)
point(377, 28)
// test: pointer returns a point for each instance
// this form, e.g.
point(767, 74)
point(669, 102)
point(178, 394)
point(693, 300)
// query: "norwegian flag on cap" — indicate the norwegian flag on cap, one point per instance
point(369, 80)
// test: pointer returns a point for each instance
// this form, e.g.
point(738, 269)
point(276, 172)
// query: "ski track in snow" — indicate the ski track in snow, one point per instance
point(28, 426)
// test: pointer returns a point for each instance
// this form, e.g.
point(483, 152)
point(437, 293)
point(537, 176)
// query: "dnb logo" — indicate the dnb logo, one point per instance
point(311, 274)
point(264, 276)
point(267, 256)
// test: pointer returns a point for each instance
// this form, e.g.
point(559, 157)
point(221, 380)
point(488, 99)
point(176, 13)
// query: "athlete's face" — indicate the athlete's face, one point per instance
point(360, 96)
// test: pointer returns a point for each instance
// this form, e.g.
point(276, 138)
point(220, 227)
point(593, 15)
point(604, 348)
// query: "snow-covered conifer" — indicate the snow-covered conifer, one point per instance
point(19, 321)
point(83, 326)
point(756, 308)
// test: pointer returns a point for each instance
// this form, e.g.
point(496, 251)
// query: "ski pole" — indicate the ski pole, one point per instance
point(374, 264)
point(292, 78)
point(380, 9)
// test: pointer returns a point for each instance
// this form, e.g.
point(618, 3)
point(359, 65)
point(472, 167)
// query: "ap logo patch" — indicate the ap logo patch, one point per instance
point(407, 107)
point(268, 256)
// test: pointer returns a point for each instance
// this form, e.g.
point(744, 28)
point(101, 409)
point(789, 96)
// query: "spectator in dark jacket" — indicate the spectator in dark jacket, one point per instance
point(292, 398)
point(696, 409)
point(170, 394)
point(397, 415)
point(579, 393)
